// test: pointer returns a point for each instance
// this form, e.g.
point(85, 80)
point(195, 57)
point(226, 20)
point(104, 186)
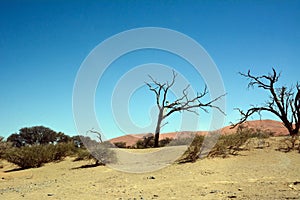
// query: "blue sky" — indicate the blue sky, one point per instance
point(43, 44)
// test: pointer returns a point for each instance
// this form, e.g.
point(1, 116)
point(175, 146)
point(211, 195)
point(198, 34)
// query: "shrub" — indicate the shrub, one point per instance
point(226, 145)
point(83, 154)
point(144, 143)
point(4, 146)
point(230, 144)
point(288, 143)
point(149, 143)
point(26, 157)
point(192, 153)
point(37, 155)
point(182, 141)
point(120, 144)
point(101, 153)
point(139, 144)
point(62, 150)
point(165, 142)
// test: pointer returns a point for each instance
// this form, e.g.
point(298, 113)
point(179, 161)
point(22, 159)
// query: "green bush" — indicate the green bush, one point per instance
point(37, 155)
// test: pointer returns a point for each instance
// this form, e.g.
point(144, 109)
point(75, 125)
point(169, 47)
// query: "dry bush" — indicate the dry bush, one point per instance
point(83, 154)
point(165, 142)
point(192, 153)
point(4, 146)
point(144, 143)
point(101, 153)
point(232, 143)
point(288, 144)
point(226, 145)
point(182, 141)
point(120, 144)
point(36, 155)
point(27, 157)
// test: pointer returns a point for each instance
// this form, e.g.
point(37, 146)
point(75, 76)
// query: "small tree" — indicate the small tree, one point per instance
point(283, 102)
point(36, 135)
point(183, 103)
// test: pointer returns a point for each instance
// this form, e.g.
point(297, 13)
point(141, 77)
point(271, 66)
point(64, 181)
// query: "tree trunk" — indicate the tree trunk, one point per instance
point(158, 125)
point(294, 134)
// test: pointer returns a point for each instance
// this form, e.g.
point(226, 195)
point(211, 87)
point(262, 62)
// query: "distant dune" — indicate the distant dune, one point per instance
point(273, 126)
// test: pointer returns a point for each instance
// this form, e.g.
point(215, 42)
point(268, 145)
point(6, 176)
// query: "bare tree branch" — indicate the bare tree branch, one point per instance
point(283, 102)
point(182, 103)
point(99, 136)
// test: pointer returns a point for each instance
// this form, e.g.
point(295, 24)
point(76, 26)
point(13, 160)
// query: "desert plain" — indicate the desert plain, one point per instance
point(255, 173)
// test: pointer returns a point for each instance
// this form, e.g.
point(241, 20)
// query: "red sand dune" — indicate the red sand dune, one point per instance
point(273, 126)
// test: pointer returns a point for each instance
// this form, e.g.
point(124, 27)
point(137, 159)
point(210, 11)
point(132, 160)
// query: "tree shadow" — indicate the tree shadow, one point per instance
point(88, 166)
point(15, 170)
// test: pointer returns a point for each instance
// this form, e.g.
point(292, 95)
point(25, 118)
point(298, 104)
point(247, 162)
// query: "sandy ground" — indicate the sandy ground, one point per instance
point(255, 174)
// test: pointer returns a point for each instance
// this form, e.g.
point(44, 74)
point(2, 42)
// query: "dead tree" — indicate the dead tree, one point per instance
point(283, 102)
point(183, 103)
point(97, 133)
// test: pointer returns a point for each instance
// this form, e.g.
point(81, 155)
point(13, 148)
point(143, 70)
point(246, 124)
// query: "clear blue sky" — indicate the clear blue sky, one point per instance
point(43, 43)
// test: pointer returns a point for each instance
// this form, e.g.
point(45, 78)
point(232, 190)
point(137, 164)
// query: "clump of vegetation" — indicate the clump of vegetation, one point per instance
point(4, 146)
point(103, 154)
point(184, 140)
point(149, 143)
point(35, 146)
point(289, 143)
point(37, 155)
point(230, 144)
point(83, 154)
point(143, 144)
point(165, 142)
point(120, 144)
point(100, 153)
point(226, 145)
point(192, 153)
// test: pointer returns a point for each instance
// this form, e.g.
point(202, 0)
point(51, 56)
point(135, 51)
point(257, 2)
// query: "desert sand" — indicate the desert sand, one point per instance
point(253, 174)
